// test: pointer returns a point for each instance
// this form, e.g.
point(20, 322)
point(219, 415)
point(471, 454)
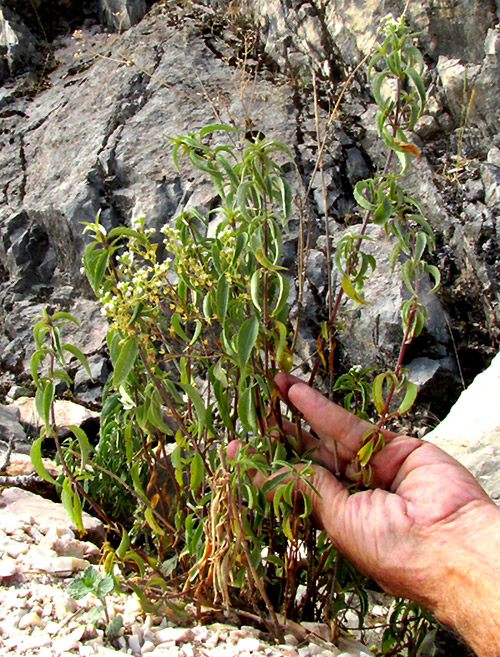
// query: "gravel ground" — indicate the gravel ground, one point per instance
point(39, 617)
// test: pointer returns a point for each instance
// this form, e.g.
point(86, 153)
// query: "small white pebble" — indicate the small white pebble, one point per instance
point(134, 643)
point(147, 647)
point(187, 650)
point(176, 634)
point(249, 644)
point(31, 619)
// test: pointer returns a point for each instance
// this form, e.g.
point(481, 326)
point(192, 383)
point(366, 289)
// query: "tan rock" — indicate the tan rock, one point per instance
point(66, 412)
point(31, 619)
point(8, 567)
point(63, 542)
point(45, 513)
point(12, 548)
point(60, 566)
point(20, 465)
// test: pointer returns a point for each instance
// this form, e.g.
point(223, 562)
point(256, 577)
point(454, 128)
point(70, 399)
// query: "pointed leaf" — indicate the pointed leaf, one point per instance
point(36, 459)
point(125, 361)
point(247, 337)
point(222, 297)
point(83, 443)
point(409, 398)
point(351, 292)
point(74, 351)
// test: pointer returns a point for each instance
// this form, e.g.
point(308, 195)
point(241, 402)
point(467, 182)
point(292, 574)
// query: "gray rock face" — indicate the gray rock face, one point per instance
point(18, 46)
point(11, 429)
point(121, 14)
point(92, 138)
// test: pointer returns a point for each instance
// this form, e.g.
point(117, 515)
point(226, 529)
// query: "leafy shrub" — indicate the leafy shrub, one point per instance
point(195, 339)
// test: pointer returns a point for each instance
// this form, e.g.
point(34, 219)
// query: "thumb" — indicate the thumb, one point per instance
point(328, 499)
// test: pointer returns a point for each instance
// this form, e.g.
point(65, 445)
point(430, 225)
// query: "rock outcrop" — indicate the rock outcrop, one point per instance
point(86, 130)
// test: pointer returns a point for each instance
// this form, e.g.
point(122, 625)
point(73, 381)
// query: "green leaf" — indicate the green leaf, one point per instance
point(74, 351)
point(104, 586)
point(409, 398)
point(97, 269)
point(436, 275)
point(222, 298)
point(246, 410)
point(254, 288)
point(247, 337)
point(36, 460)
point(351, 292)
point(176, 325)
point(147, 606)
point(123, 231)
point(136, 480)
point(233, 178)
point(365, 453)
point(198, 326)
point(260, 255)
point(77, 512)
point(417, 81)
point(64, 315)
point(125, 361)
point(83, 443)
point(420, 244)
point(77, 589)
point(124, 544)
point(378, 392)
point(286, 197)
point(383, 211)
point(39, 331)
point(136, 313)
point(35, 361)
point(272, 482)
point(114, 626)
point(199, 406)
point(95, 614)
point(212, 127)
point(197, 471)
point(364, 194)
point(283, 294)
point(48, 398)
point(67, 498)
point(377, 86)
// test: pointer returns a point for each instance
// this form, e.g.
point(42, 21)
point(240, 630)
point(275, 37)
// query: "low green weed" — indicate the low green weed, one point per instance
point(91, 581)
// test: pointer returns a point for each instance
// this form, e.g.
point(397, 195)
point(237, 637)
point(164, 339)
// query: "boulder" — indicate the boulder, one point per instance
point(92, 136)
point(11, 429)
point(66, 413)
point(15, 502)
point(471, 430)
point(19, 48)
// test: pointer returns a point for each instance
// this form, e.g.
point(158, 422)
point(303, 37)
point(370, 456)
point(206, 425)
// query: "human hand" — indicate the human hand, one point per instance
point(421, 503)
point(425, 530)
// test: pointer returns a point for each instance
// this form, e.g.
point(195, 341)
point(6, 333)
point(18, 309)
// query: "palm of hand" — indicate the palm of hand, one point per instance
point(419, 493)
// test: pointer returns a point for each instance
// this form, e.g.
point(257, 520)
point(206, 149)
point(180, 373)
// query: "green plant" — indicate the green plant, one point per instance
point(199, 326)
point(399, 92)
point(91, 581)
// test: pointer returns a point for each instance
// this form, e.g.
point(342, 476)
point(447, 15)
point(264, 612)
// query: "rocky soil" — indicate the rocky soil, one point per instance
point(40, 556)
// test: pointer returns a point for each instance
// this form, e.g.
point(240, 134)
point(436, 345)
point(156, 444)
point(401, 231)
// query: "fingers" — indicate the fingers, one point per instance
point(332, 423)
point(328, 504)
point(307, 443)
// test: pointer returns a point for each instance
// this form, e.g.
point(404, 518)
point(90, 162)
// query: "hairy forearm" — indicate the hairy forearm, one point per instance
point(469, 589)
